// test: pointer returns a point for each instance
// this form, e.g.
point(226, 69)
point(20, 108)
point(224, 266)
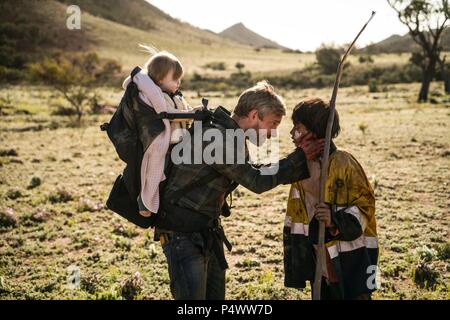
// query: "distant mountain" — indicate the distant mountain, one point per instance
point(242, 34)
point(141, 15)
point(400, 44)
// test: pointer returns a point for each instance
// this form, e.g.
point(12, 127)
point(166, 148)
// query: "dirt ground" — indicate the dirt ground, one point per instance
point(54, 180)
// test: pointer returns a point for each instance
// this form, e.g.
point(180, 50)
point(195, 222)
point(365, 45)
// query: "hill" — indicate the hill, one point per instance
point(242, 34)
point(114, 29)
point(401, 44)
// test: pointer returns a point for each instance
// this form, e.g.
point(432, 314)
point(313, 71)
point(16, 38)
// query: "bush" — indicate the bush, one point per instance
point(373, 86)
point(39, 216)
point(425, 276)
point(241, 79)
point(365, 59)
point(239, 66)
point(85, 204)
point(312, 77)
point(8, 153)
point(34, 182)
point(75, 77)
point(220, 66)
point(59, 110)
point(60, 195)
point(14, 193)
point(291, 51)
point(11, 76)
point(131, 287)
point(424, 273)
point(328, 59)
point(443, 252)
point(7, 218)
point(91, 282)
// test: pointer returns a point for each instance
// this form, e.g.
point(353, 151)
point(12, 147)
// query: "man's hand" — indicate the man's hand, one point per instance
point(323, 214)
point(312, 147)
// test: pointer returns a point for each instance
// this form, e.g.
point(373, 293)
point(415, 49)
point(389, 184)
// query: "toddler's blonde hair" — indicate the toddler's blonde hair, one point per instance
point(161, 63)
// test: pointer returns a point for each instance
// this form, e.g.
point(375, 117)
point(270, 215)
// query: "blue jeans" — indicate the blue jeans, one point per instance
point(194, 272)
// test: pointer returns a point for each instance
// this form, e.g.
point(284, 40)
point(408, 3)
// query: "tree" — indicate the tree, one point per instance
point(239, 66)
point(445, 73)
point(75, 76)
point(426, 20)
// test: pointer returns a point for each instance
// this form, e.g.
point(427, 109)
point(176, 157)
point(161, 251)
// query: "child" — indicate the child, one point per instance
point(348, 214)
point(158, 86)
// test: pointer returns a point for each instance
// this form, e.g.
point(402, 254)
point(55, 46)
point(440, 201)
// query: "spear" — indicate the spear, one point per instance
point(324, 167)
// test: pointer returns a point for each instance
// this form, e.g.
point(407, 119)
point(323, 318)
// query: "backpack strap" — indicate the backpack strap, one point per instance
point(199, 115)
point(135, 72)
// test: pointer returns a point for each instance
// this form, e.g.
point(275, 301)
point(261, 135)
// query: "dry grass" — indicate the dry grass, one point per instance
point(405, 152)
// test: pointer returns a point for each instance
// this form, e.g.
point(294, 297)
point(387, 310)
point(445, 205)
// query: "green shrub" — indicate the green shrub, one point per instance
point(328, 59)
point(7, 218)
point(60, 195)
point(75, 77)
point(373, 86)
point(443, 251)
point(14, 193)
point(34, 182)
point(132, 286)
point(365, 59)
point(215, 66)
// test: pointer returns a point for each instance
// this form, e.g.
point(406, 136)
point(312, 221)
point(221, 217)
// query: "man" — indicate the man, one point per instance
point(196, 260)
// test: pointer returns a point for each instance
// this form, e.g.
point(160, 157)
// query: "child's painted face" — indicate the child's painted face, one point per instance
point(169, 84)
point(297, 131)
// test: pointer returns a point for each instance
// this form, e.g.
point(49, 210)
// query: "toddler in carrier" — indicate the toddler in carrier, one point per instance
point(158, 85)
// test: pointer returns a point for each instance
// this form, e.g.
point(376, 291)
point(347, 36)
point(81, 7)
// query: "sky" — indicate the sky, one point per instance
point(297, 24)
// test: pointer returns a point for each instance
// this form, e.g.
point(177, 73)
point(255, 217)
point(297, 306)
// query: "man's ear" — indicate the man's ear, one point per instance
point(253, 114)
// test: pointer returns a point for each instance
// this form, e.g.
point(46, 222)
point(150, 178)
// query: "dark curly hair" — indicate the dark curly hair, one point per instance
point(313, 114)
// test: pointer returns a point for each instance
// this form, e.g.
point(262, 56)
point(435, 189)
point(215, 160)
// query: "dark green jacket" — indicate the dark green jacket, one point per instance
point(208, 199)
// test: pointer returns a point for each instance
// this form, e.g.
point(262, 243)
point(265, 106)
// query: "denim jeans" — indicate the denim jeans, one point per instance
point(194, 274)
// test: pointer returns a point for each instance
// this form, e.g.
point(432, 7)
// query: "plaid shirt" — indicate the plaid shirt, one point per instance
point(209, 198)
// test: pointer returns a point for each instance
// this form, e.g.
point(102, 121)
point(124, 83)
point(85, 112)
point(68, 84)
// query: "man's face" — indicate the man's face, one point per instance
point(264, 126)
point(269, 122)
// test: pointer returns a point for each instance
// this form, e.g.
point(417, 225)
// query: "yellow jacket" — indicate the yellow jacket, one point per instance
point(351, 196)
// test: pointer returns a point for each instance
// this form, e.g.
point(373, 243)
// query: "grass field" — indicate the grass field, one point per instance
point(54, 180)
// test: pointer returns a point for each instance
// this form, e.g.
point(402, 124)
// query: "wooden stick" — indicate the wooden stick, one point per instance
point(324, 168)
